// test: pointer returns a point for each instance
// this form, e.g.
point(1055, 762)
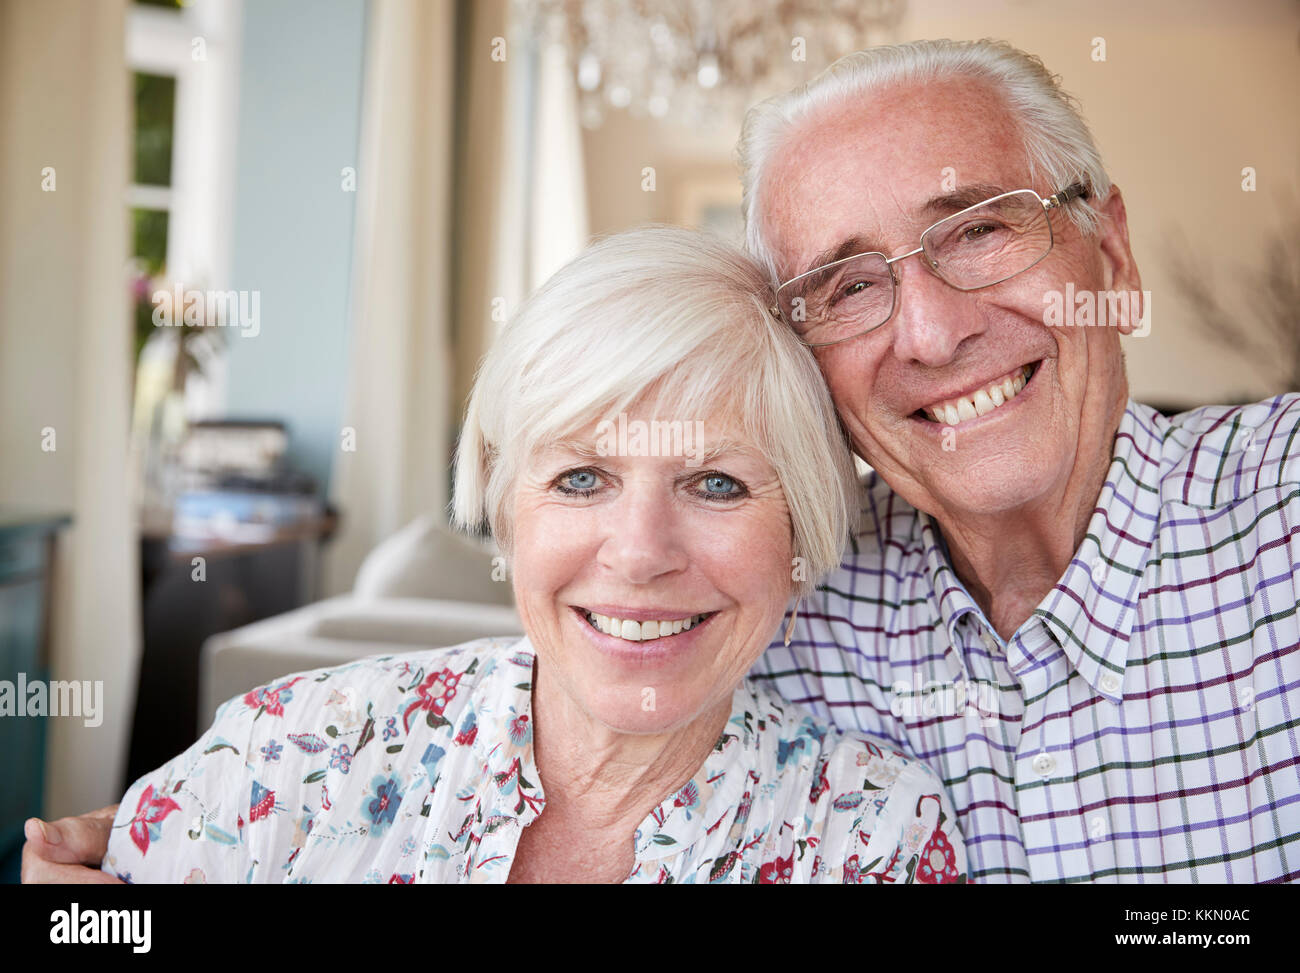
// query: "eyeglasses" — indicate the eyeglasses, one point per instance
point(980, 246)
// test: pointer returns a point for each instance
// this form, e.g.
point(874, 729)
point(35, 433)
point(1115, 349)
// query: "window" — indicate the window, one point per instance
point(151, 179)
point(184, 60)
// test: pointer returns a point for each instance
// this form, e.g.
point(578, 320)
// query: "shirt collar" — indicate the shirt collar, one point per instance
point(1090, 611)
point(502, 714)
point(712, 799)
point(954, 601)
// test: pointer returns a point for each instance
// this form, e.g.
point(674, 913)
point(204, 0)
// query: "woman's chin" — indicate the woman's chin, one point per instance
point(644, 709)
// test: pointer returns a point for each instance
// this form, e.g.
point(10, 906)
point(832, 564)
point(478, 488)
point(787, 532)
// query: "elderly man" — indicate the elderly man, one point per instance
point(1081, 613)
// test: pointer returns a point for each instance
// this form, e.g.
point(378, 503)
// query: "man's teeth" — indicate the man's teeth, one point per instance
point(953, 411)
point(631, 631)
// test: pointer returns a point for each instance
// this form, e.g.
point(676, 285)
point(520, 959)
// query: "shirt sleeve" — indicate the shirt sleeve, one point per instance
point(188, 821)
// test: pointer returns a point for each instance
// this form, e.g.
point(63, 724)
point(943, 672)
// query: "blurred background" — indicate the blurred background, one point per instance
point(251, 252)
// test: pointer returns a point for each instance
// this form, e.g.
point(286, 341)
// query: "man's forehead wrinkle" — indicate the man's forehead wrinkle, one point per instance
point(799, 191)
point(805, 169)
point(815, 218)
point(853, 172)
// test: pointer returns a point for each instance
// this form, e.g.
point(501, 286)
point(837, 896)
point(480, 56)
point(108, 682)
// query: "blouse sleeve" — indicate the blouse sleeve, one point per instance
point(189, 821)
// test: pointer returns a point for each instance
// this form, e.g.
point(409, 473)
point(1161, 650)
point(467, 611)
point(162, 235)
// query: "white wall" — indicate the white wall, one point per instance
point(65, 356)
point(1191, 91)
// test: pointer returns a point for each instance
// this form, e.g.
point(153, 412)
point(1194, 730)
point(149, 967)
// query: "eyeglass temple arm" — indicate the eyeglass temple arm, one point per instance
point(1057, 200)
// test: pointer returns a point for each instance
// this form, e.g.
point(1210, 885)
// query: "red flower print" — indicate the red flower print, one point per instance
point(270, 699)
point(938, 863)
point(433, 694)
point(146, 825)
point(468, 730)
point(852, 871)
point(261, 802)
point(519, 731)
point(688, 797)
point(779, 872)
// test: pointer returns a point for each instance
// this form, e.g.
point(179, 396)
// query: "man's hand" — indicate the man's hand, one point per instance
point(68, 851)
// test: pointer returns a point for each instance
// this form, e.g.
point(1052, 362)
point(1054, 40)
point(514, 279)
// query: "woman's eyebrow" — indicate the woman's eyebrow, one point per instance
point(578, 447)
point(588, 451)
point(727, 447)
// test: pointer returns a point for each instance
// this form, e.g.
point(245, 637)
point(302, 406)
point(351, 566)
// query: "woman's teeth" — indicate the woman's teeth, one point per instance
point(981, 403)
point(630, 631)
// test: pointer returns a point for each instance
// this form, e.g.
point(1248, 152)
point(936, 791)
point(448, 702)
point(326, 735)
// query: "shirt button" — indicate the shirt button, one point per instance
point(1110, 683)
point(1044, 764)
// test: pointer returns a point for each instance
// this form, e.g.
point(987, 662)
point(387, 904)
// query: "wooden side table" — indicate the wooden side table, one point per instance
point(243, 582)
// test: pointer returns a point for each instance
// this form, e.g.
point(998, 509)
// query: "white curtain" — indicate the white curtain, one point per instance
point(470, 193)
point(558, 215)
point(400, 365)
point(65, 357)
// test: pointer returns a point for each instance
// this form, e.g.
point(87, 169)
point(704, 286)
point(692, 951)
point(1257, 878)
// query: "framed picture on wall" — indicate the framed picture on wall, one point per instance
point(708, 198)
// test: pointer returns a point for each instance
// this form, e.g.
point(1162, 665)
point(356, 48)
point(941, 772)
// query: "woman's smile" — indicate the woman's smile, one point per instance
point(645, 637)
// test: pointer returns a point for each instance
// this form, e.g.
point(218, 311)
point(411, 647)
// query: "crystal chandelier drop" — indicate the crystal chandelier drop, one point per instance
point(696, 61)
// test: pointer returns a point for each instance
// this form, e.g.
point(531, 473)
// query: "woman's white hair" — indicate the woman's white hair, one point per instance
point(1057, 142)
point(677, 321)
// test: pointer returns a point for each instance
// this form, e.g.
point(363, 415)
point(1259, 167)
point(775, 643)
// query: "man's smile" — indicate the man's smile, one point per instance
point(980, 400)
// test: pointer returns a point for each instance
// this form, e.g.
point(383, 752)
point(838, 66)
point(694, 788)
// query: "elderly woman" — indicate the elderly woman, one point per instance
point(660, 461)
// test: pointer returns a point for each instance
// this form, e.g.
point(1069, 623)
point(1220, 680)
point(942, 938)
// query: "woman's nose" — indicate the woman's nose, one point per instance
point(643, 537)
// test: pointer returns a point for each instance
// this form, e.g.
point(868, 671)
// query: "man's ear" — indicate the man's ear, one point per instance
point(1119, 268)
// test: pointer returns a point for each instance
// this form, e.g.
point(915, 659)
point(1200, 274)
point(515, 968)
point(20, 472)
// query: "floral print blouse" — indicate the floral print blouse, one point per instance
point(419, 768)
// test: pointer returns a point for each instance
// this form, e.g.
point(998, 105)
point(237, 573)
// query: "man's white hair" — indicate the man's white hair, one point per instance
point(677, 322)
point(1057, 142)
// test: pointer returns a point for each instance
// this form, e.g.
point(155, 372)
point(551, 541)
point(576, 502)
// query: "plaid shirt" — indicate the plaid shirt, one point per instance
point(1142, 724)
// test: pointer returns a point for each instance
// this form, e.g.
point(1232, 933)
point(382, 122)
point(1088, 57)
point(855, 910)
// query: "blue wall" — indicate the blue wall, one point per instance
point(299, 123)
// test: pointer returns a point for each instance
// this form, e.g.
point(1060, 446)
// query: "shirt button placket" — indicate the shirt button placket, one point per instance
point(1046, 790)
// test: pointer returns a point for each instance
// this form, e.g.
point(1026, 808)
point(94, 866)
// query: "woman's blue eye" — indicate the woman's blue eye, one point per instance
point(580, 480)
point(721, 485)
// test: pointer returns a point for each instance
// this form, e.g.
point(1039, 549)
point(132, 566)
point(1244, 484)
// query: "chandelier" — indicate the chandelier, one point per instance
point(696, 61)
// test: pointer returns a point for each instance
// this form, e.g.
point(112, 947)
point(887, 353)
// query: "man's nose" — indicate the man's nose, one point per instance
point(931, 319)
point(643, 539)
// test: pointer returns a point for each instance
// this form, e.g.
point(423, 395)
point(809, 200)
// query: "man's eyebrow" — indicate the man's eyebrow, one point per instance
point(933, 208)
point(960, 198)
point(848, 247)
